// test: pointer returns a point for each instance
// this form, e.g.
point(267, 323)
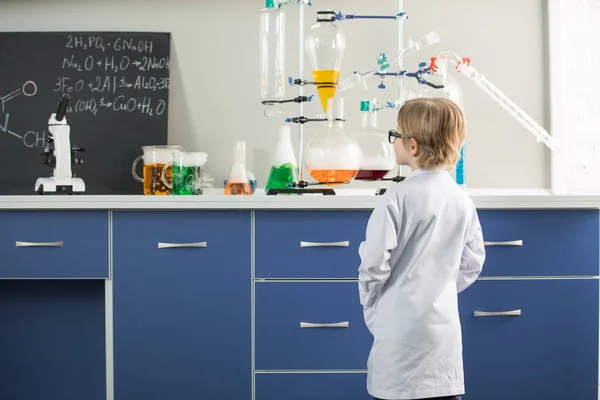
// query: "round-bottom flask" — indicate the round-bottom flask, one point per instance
point(332, 155)
point(378, 157)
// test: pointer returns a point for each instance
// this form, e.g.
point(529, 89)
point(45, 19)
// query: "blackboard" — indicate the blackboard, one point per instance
point(119, 86)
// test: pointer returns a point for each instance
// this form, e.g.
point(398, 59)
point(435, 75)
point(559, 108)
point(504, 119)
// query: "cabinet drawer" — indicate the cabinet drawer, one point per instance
point(312, 386)
point(309, 244)
point(183, 239)
point(554, 341)
point(182, 296)
point(54, 244)
point(285, 338)
point(554, 242)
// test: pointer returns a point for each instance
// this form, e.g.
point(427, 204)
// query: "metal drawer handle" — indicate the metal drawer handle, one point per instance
point(334, 325)
point(514, 313)
point(325, 244)
point(180, 245)
point(513, 243)
point(39, 244)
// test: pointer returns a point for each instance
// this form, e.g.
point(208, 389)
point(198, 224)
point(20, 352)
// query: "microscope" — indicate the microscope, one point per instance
point(60, 156)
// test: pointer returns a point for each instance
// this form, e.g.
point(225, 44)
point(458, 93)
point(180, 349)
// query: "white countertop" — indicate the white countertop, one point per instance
point(347, 199)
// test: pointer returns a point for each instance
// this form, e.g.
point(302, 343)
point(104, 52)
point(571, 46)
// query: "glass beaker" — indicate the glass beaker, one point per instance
point(186, 173)
point(155, 158)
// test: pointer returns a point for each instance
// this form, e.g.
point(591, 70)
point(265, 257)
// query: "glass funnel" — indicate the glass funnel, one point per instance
point(332, 156)
point(325, 46)
point(378, 154)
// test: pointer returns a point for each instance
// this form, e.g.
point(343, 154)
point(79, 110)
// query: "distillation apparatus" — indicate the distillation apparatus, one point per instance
point(326, 46)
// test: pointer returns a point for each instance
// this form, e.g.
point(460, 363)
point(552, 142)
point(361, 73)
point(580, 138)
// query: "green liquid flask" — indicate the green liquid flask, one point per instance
point(282, 177)
point(284, 170)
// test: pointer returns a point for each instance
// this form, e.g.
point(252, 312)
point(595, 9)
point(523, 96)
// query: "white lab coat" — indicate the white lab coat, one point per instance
point(423, 246)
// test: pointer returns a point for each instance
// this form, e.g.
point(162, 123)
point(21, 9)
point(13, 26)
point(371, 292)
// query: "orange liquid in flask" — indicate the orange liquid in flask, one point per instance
point(326, 91)
point(238, 188)
point(333, 175)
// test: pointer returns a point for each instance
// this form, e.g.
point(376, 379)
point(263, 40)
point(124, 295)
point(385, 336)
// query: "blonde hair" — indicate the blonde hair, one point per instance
point(438, 126)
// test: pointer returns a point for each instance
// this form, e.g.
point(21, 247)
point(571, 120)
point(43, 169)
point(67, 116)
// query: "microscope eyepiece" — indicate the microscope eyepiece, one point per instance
point(62, 107)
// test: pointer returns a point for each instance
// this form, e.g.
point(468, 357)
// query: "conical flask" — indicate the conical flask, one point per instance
point(325, 45)
point(238, 183)
point(332, 156)
point(378, 154)
point(284, 170)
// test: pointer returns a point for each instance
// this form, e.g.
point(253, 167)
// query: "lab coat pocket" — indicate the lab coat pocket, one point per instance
point(370, 314)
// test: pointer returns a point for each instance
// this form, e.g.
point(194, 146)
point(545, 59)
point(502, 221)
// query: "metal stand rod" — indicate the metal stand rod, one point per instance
point(400, 46)
point(301, 92)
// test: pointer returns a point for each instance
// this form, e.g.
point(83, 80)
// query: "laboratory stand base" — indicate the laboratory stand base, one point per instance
point(325, 192)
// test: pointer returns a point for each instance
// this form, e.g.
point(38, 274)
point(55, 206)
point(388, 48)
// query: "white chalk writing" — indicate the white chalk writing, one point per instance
point(104, 74)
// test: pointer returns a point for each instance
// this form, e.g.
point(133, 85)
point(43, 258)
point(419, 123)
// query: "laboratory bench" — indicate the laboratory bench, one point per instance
point(133, 297)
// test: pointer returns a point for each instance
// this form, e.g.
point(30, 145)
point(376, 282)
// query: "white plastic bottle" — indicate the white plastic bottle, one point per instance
point(272, 52)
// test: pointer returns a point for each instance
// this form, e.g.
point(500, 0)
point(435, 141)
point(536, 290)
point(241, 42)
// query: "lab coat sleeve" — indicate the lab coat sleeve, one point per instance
point(473, 256)
point(381, 238)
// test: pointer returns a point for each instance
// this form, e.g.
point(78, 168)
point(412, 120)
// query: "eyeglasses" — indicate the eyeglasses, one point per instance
point(393, 135)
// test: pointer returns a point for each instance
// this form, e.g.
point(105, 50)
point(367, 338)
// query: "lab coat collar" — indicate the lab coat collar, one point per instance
point(423, 171)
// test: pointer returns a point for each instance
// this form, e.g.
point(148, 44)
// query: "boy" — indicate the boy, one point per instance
point(423, 246)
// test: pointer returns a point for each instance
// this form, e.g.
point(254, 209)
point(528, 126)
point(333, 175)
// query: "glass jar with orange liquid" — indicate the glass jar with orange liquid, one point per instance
point(325, 46)
point(155, 158)
point(332, 156)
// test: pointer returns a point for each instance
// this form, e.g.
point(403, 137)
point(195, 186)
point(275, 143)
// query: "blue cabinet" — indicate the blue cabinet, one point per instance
point(182, 305)
point(549, 242)
point(549, 351)
point(54, 244)
point(52, 343)
point(312, 386)
point(309, 244)
point(310, 326)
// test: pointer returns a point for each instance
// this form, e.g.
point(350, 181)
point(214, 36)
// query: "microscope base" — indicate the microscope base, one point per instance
point(60, 186)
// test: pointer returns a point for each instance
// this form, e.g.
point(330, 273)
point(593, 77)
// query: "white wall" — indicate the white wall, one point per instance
point(215, 97)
